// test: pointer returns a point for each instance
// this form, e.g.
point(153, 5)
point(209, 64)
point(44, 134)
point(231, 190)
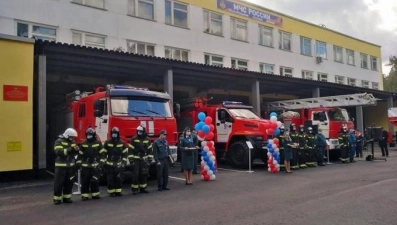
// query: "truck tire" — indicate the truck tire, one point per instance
point(239, 154)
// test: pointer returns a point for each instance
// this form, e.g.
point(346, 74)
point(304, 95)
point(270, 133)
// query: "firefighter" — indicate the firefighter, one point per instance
point(359, 148)
point(344, 145)
point(65, 149)
point(140, 156)
point(89, 160)
point(310, 148)
point(294, 137)
point(281, 147)
point(116, 153)
point(302, 140)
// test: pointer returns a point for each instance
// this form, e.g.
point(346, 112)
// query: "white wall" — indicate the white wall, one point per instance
point(118, 27)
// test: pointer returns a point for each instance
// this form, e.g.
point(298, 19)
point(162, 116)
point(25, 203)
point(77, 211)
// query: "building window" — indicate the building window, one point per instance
point(176, 13)
point(339, 79)
point(90, 40)
point(93, 3)
point(239, 64)
point(338, 54)
point(322, 77)
point(364, 61)
point(365, 84)
point(286, 71)
point(374, 63)
point(140, 48)
point(321, 49)
point(178, 54)
point(213, 60)
point(307, 74)
point(30, 30)
point(266, 68)
point(213, 23)
point(141, 8)
point(351, 81)
point(306, 46)
point(350, 56)
point(375, 85)
point(239, 29)
point(284, 41)
point(266, 36)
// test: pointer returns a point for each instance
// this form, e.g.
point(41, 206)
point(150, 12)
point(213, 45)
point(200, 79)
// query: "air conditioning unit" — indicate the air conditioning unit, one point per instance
point(319, 59)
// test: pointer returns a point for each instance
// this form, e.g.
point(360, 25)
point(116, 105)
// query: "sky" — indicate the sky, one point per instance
point(374, 21)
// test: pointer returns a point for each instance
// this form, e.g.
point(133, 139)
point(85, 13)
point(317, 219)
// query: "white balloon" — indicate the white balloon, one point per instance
point(275, 162)
point(203, 163)
point(273, 118)
point(212, 177)
point(276, 149)
point(206, 149)
point(203, 143)
point(202, 177)
point(274, 146)
point(206, 168)
point(268, 169)
point(269, 154)
point(278, 169)
point(202, 159)
point(279, 124)
point(213, 158)
point(209, 172)
point(270, 142)
point(209, 154)
point(278, 165)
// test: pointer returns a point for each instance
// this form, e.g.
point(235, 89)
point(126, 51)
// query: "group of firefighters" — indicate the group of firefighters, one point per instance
point(94, 158)
point(310, 147)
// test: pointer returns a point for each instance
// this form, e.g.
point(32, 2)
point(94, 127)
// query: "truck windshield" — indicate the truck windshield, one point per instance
point(338, 115)
point(130, 106)
point(244, 113)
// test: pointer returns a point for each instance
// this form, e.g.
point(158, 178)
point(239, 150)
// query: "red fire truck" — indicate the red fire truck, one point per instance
point(125, 107)
point(323, 112)
point(234, 123)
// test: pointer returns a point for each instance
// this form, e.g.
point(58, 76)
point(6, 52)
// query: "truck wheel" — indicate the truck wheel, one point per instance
point(239, 154)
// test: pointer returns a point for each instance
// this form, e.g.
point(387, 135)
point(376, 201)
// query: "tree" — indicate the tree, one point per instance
point(390, 81)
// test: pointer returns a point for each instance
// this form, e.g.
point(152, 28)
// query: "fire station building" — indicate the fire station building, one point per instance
point(230, 50)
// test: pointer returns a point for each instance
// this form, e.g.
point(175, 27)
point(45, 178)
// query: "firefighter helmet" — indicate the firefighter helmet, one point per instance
point(115, 132)
point(140, 130)
point(90, 133)
point(310, 129)
point(70, 132)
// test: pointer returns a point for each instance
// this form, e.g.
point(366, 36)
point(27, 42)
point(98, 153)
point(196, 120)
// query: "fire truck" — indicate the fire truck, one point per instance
point(234, 124)
point(125, 107)
point(322, 112)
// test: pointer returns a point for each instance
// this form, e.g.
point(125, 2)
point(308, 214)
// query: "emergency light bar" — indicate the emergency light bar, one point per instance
point(232, 103)
point(112, 86)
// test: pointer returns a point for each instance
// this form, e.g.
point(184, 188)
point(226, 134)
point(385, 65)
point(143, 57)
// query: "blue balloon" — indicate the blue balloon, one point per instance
point(201, 124)
point(206, 129)
point(269, 146)
point(273, 114)
point(201, 116)
point(197, 126)
point(203, 153)
point(206, 158)
point(277, 132)
point(271, 150)
point(210, 164)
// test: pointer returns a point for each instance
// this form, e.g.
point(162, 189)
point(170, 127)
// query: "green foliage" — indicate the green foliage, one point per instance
point(390, 81)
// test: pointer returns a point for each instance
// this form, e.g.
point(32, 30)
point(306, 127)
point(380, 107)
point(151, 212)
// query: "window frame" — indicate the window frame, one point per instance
point(142, 43)
point(325, 49)
point(90, 44)
point(376, 62)
point(237, 66)
point(83, 3)
point(365, 86)
point(136, 8)
point(352, 81)
point(375, 84)
point(302, 43)
point(362, 57)
point(209, 20)
point(282, 71)
point(234, 26)
point(172, 50)
point(262, 67)
point(337, 80)
point(211, 60)
point(335, 53)
point(319, 76)
point(281, 40)
point(261, 36)
point(30, 30)
point(347, 57)
point(172, 2)
point(305, 74)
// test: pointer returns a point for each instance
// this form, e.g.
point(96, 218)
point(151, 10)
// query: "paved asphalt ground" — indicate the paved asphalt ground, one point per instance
point(358, 193)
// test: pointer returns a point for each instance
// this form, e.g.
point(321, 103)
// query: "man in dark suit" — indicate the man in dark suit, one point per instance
point(383, 143)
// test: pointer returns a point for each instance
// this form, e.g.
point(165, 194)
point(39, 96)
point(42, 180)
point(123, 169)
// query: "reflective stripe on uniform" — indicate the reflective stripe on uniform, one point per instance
point(57, 197)
point(73, 145)
point(110, 145)
point(110, 191)
point(71, 178)
point(143, 185)
point(136, 140)
point(118, 190)
point(64, 143)
point(125, 151)
point(133, 156)
point(67, 196)
point(95, 194)
point(103, 151)
point(65, 151)
point(85, 146)
point(134, 186)
point(63, 164)
point(81, 153)
point(85, 195)
point(58, 147)
point(95, 145)
point(150, 146)
point(131, 146)
point(87, 165)
point(146, 141)
point(78, 161)
point(119, 145)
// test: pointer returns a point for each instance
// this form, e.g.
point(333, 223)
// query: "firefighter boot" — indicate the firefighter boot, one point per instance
point(144, 191)
point(84, 198)
point(67, 200)
point(119, 194)
point(96, 197)
point(57, 202)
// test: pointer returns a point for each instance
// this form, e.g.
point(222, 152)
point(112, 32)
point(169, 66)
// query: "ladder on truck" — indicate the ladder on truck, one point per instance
point(329, 101)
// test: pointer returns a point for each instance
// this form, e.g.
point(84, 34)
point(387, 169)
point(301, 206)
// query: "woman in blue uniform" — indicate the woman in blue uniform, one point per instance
point(187, 145)
point(287, 143)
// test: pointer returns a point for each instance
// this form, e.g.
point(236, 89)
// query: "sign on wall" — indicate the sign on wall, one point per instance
point(15, 93)
point(241, 10)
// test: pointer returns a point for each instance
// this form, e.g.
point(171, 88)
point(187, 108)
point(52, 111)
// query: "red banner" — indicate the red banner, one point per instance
point(15, 93)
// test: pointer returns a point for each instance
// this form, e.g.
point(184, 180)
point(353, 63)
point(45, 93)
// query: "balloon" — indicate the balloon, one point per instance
point(203, 153)
point(203, 143)
point(212, 148)
point(209, 153)
point(269, 154)
point(270, 131)
point(210, 144)
point(201, 134)
point(270, 142)
point(273, 114)
point(206, 158)
point(274, 146)
point(202, 162)
point(206, 177)
point(276, 141)
point(201, 116)
point(266, 125)
point(268, 169)
point(206, 168)
point(208, 120)
point(274, 162)
point(279, 124)
point(206, 149)
point(274, 125)
point(205, 129)
point(213, 158)
point(209, 172)
point(197, 126)
point(212, 127)
point(209, 136)
point(273, 119)
point(204, 172)
point(277, 150)
point(210, 163)
point(212, 177)
point(277, 132)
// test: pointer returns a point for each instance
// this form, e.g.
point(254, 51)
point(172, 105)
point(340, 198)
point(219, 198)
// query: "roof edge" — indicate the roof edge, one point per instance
point(16, 38)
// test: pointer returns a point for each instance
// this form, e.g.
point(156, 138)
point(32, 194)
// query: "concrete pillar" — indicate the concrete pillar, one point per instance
point(256, 97)
point(359, 119)
point(169, 84)
point(390, 105)
point(316, 92)
point(42, 111)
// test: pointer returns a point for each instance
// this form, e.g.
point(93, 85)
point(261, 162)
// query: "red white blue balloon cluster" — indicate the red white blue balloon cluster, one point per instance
point(205, 133)
point(273, 151)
